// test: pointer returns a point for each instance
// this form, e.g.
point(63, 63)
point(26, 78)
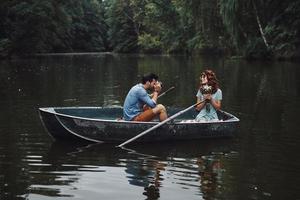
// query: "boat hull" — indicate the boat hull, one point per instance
point(64, 124)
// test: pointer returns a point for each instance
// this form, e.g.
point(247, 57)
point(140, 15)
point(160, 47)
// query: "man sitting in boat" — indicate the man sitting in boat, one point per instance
point(139, 106)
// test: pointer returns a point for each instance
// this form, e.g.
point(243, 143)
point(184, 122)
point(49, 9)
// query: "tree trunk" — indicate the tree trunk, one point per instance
point(260, 26)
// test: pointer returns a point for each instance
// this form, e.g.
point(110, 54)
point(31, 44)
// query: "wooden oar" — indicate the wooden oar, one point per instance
point(137, 153)
point(159, 124)
point(165, 92)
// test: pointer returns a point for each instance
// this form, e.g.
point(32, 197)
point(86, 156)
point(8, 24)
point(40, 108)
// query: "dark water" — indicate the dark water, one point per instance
point(262, 162)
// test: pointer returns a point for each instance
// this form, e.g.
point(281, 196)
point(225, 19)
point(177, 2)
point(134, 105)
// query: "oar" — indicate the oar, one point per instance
point(160, 124)
point(137, 153)
point(165, 92)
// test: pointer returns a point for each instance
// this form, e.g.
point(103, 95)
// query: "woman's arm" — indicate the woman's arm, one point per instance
point(201, 105)
point(215, 103)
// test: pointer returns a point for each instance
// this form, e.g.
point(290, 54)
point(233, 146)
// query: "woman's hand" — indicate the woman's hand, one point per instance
point(207, 97)
point(215, 103)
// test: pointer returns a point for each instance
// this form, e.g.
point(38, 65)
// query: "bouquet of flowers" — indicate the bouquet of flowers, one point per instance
point(206, 89)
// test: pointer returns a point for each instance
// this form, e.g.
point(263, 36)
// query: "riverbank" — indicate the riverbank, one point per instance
point(293, 58)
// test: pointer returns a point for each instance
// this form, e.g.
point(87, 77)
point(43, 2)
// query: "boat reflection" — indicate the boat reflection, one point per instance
point(192, 164)
point(171, 168)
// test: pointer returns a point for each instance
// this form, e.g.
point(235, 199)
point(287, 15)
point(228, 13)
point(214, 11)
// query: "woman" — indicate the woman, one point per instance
point(210, 95)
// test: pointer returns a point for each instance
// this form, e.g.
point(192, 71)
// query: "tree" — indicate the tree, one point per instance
point(122, 33)
point(52, 26)
point(259, 27)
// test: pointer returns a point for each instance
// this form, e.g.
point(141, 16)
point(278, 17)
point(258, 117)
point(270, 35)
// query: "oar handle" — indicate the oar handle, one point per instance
point(159, 124)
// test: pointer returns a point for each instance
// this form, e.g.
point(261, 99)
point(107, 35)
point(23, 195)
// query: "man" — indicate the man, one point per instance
point(139, 106)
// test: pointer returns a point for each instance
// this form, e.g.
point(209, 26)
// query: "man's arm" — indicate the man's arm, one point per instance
point(144, 97)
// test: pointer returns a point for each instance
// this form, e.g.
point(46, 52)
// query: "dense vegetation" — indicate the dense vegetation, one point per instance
point(251, 28)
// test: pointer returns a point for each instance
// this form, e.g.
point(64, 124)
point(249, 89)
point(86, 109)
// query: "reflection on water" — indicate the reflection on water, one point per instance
point(70, 170)
point(261, 163)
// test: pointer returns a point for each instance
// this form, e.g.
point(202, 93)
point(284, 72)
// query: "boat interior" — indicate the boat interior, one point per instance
point(115, 113)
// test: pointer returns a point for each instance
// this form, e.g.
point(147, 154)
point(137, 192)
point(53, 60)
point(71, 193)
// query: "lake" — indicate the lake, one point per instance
point(261, 162)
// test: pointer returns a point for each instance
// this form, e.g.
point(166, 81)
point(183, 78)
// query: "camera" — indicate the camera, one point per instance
point(160, 83)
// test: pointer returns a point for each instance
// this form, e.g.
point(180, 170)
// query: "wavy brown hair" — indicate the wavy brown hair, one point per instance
point(211, 79)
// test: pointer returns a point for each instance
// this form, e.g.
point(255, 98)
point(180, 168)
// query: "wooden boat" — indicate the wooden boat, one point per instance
point(103, 124)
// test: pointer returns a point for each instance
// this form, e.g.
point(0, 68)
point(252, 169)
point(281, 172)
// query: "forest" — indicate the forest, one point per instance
point(253, 29)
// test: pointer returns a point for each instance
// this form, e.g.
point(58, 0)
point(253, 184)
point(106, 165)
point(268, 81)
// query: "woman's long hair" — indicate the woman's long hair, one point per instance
point(211, 80)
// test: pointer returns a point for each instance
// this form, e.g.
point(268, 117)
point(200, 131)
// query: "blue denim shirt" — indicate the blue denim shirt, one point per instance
point(136, 98)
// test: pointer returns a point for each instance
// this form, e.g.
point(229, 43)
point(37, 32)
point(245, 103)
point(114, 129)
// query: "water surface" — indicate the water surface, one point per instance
point(262, 162)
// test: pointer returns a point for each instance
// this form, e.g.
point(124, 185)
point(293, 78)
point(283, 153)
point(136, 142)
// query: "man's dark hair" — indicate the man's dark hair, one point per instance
point(149, 77)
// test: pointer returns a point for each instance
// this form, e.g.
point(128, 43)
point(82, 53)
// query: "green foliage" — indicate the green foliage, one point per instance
point(53, 26)
point(37, 27)
point(149, 43)
point(256, 49)
point(254, 28)
point(274, 24)
point(197, 42)
point(122, 33)
point(89, 29)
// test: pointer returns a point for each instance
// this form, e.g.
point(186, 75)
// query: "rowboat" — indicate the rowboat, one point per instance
point(104, 124)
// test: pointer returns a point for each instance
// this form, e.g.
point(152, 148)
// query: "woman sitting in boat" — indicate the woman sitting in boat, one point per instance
point(139, 106)
point(211, 95)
